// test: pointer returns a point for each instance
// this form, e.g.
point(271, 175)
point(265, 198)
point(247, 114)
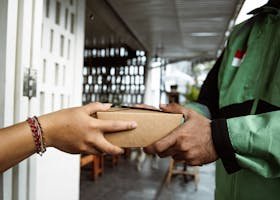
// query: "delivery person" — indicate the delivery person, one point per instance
point(242, 93)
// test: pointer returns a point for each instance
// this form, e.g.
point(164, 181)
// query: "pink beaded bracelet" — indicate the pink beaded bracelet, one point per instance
point(37, 133)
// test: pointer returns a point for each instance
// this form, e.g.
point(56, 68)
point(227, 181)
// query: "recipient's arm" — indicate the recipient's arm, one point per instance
point(71, 130)
point(16, 144)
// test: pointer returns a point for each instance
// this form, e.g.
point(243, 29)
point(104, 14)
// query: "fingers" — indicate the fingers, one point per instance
point(169, 152)
point(96, 106)
point(102, 145)
point(174, 108)
point(150, 150)
point(162, 144)
point(114, 126)
point(94, 151)
point(182, 156)
point(179, 156)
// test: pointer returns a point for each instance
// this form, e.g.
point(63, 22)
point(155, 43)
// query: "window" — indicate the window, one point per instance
point(53, 99)
point(61, 101)
point(61, 45)
point(42, 103)
point(66, 18)
point(72, 22)
point(56, 74)
point(44, 71)
point(113, 77)
point(63, 75)
point(51, 40)
point(47, 8)
point(57, 13)
point(69, 49)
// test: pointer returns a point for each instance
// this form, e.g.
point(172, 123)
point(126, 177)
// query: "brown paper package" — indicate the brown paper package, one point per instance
point(151, 126)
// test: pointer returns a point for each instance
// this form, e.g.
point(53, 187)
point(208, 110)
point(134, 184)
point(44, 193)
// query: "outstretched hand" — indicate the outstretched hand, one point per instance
point(73, 130)
point(191, 142)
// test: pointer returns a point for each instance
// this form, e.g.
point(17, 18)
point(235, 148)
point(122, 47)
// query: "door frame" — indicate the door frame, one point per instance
point(8, 29)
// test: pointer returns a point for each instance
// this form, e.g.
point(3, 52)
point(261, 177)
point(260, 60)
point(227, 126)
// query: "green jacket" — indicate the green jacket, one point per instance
point(242, 93)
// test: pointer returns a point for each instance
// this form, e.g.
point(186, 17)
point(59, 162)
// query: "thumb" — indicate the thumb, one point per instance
point(92, 108)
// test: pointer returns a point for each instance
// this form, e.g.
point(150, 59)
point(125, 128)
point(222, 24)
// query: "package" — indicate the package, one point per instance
point(152, 125)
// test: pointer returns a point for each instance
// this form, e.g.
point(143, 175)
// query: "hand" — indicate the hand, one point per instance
point(191, 142)
point(73, 130)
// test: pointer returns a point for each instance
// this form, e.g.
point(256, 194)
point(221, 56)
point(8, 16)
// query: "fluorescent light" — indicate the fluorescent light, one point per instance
point(204, 34)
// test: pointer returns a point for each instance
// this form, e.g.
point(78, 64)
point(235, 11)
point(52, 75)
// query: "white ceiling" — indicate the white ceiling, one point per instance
point(175, 29)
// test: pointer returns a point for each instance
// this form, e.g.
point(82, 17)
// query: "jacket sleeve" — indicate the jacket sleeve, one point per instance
point(255, 140)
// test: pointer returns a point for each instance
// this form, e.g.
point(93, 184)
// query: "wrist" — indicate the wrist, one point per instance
point(223, 145)
point(48, 127)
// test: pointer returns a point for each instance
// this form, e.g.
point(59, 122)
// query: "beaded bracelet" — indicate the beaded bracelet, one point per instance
point(37, 133)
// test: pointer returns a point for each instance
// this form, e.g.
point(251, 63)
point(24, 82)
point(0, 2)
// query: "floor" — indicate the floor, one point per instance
point(125, 182)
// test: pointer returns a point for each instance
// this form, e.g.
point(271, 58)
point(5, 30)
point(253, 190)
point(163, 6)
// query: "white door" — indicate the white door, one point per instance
point(48, 37)
point(60, 86)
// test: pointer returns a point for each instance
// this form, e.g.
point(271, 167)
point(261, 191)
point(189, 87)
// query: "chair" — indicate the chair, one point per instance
point(97, 164)
point(172, 170)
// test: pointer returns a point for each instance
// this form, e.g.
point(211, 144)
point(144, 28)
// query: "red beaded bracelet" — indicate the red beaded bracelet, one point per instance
point(37, 134)
point(42, 138)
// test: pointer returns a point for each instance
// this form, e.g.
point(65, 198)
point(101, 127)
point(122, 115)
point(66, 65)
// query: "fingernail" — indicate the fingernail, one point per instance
point(133, 125)
point(163, 105)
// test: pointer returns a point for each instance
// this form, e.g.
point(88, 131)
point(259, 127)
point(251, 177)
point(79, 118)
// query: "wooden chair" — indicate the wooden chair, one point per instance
point(112, 159)
point(97, 164)
point(172, 170)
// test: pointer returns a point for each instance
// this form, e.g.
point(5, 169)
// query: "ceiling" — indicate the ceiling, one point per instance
point(174, 29)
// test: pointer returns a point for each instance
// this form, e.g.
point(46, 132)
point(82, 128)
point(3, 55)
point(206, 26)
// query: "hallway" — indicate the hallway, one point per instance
point(125, 182)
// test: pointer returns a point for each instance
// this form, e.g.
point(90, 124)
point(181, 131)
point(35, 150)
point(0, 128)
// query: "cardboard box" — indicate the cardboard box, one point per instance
point(152, 126)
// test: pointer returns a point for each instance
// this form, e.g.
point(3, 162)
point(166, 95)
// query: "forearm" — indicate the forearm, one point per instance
point(16, 144)
point(71, 130)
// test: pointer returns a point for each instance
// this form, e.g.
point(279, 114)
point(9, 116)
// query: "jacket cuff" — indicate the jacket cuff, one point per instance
point(223, 145)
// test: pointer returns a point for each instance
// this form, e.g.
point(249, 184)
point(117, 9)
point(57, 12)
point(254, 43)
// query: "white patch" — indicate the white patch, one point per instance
point(236, 62)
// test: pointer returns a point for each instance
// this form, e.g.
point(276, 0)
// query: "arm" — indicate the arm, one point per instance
point(255, 141)
point(71, 130)
point(196, 128)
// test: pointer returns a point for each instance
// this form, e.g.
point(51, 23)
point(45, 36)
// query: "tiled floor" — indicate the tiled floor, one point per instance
point(125, 182)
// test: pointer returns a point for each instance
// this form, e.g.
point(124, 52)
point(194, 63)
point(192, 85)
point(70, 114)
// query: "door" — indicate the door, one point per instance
point(60, 86)
point(46, 38)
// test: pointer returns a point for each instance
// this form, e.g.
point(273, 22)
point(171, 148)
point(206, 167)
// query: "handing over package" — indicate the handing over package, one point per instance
point(152, 125)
